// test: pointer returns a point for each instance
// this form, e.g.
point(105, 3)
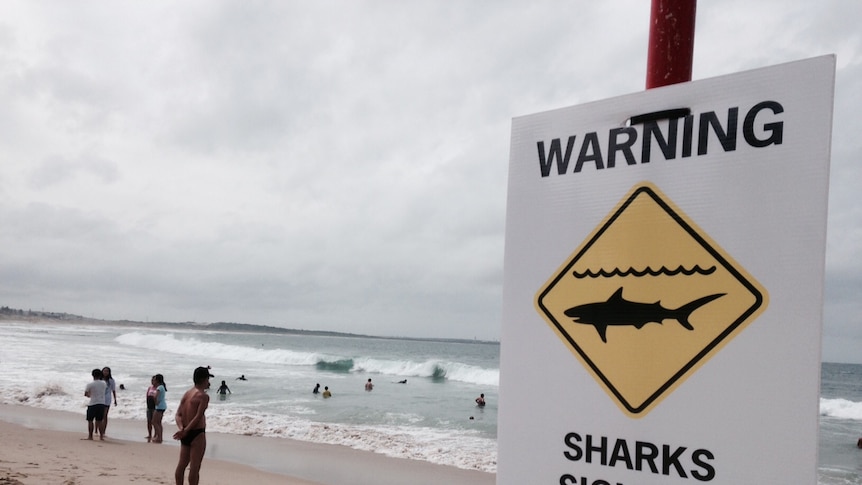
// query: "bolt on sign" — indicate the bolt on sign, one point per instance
point(663, 284)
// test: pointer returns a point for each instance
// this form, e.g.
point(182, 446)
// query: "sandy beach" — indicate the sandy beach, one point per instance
point(48, 447)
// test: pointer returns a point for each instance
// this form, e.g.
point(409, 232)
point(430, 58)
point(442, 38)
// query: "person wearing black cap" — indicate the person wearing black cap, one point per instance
point(192, 423)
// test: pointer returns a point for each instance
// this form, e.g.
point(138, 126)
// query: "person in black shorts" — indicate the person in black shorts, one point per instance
point(192, 422)
point(95, 390)
point(152, 393)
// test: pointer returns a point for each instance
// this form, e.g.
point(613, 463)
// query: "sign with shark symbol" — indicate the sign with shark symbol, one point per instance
point(648, 298)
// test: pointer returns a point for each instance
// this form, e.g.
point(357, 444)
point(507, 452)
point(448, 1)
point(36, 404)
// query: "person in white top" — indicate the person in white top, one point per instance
point(110, 390)
point(95, 390)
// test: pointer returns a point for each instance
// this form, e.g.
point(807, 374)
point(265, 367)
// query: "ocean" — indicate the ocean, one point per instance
point(840, 461)
point(431, 417)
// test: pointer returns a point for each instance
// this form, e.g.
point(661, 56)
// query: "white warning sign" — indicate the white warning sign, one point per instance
point(663, 284)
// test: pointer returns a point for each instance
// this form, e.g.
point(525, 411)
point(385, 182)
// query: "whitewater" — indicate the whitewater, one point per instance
point(422, 406)
point(431, 417)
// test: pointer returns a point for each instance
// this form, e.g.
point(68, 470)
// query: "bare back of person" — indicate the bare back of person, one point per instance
point(191, 420)
point(193, 402)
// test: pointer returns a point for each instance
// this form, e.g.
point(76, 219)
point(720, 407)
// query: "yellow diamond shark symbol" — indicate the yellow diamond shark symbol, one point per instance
point(647, 299)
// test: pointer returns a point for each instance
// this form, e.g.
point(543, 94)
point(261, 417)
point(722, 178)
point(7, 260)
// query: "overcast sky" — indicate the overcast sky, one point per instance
point(336, 165)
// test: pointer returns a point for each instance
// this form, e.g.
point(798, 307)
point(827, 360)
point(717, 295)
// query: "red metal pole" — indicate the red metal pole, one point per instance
point(671, 42)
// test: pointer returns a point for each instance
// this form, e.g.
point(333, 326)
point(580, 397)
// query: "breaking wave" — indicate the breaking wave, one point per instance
point(841, 408)
point(435, 369)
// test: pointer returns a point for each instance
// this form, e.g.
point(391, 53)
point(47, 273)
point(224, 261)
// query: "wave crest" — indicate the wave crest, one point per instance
point(49, 390)
point(340, 365)
point(437, 370)
point(841, 408)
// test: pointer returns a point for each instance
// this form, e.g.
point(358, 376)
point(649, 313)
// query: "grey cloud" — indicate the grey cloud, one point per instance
point(56, 169)
point(340, 166)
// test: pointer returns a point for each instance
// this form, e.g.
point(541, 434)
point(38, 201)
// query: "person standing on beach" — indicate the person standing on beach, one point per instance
point(192, 423)
point(110, 390)
point(161, 407)
point(152, 394)
point(95, 390)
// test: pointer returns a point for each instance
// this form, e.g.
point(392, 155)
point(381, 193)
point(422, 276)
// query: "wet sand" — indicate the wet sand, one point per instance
point(42, 446)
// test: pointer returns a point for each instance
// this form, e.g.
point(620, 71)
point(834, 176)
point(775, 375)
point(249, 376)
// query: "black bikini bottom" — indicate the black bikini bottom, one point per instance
point(191, 435)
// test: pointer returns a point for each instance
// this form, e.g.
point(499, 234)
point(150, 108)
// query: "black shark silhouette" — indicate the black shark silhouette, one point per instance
point(618, 311)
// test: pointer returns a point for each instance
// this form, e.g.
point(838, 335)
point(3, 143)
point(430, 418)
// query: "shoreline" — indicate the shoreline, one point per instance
point(34, 435)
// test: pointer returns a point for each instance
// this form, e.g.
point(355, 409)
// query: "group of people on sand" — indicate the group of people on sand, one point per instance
point(156, 407)
point(190, 417)
point(101, 391)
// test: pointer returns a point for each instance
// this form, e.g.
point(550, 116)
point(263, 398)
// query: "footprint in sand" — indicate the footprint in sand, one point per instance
point(8, 477)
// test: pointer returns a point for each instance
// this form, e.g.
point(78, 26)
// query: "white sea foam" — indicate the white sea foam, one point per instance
point(418, 443)
point(47, 366)
point(190, 345)
point(431, 368)
point(473, 452)
point(841, 408)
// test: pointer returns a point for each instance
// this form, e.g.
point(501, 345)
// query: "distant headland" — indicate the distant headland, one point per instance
point(14, 314)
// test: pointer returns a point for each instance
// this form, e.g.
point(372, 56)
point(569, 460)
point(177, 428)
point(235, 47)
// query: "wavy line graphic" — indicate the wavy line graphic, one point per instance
point(646, 271)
